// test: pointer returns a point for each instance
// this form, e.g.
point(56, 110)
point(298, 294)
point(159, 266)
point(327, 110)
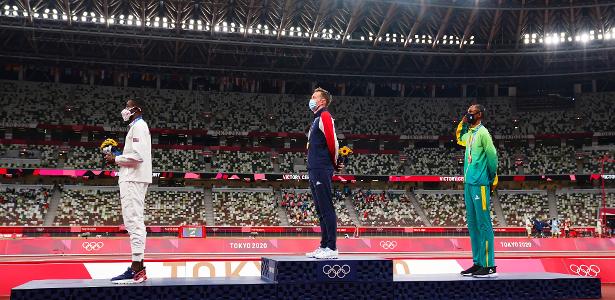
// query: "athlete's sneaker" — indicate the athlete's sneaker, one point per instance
point(314, 253)
point(130, 276)
point(485, 272)
point(469, 271)
point(327, 254)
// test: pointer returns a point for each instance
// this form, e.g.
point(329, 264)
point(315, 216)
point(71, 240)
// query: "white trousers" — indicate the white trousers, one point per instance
point(132, 198)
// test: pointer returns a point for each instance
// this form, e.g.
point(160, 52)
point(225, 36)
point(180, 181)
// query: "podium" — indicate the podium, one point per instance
point(297, 269)
point(349, 277)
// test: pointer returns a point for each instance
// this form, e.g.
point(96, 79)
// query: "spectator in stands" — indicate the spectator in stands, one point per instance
point(599, 228)
point(528, 227)
point(135, 175)
point(539, 227)
point(567, 225)
point(321, 162)
point(555, 227)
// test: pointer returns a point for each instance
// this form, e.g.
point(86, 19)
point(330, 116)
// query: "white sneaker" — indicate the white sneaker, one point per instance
point(314, 253)
point(327, 254)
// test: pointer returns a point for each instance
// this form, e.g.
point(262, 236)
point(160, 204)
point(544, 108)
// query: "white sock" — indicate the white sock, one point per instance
point(138, 256)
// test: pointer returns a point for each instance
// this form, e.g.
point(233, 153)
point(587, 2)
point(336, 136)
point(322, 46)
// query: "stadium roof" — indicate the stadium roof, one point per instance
point(354, 38)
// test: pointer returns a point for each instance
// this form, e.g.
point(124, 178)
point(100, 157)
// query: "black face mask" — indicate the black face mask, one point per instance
point(471, 118)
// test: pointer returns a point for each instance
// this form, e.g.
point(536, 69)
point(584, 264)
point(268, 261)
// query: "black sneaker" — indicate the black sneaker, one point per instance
point(486, 272)
point(469, 271)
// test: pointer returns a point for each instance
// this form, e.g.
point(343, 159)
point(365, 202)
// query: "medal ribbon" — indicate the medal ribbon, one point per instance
point(471, 142)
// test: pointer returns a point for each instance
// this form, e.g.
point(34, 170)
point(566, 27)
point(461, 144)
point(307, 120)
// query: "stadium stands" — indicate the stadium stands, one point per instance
point(72, 104)
point(518, 206)
point(28, 156)
point(181, 109)
point(300, 208)
point(178, 160)
point(240, 207)
point(242, 162)
point(89, 206)
point(435, 161)
point(373, 164)
point(101, 206)
point(292, 162)
point(174, 207)
point(443, 208)
point(385, 208)
point(23, 205)
point(581, 206)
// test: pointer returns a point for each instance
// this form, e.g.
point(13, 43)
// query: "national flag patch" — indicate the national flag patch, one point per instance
point(135, 140)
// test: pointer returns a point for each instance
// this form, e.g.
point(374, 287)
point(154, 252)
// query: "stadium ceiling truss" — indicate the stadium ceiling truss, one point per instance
point(354, 38)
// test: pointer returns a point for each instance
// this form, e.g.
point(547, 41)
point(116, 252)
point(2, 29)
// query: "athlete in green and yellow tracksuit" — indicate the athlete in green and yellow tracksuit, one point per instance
point(480, 173)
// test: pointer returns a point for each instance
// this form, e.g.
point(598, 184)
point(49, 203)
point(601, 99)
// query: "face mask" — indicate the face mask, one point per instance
point(471, 118)
point(126, 114)
point(313, 105)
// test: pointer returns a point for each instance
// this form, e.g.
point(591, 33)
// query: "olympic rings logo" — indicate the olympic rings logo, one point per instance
point(336, 271)
point(388, 245)
point(585, 270)
point(92, 246)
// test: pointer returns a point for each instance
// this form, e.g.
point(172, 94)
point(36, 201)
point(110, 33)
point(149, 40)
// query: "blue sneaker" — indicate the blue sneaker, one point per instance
point(130, 276)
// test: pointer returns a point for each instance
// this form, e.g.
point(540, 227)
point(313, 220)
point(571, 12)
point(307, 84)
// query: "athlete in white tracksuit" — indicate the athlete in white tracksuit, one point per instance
point(134, 177)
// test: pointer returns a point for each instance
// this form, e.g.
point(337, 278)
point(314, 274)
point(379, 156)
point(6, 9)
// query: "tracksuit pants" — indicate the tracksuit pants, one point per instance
point(320, 185)
point(132, 198)
point(478, 214)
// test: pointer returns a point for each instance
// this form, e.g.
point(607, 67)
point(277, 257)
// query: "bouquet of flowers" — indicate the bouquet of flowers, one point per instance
point(109, 146)
point(343, 152)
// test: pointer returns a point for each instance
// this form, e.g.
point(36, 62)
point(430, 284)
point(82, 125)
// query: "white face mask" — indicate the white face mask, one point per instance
point(126, 114)
point(313, 105)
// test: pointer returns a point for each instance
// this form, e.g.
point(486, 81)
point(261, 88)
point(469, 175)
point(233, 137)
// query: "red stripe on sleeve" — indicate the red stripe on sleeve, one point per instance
point(329, 132)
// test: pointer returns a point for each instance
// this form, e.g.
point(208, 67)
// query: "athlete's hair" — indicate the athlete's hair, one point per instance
point(480, 109)
point(325, 94)
point(137, 102)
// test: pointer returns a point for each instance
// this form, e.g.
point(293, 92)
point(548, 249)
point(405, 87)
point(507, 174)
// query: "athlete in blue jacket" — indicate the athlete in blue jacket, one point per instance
point(321, 163)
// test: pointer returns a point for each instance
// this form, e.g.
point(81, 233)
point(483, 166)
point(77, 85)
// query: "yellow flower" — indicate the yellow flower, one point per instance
point(108, 142)
point(345, 151)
